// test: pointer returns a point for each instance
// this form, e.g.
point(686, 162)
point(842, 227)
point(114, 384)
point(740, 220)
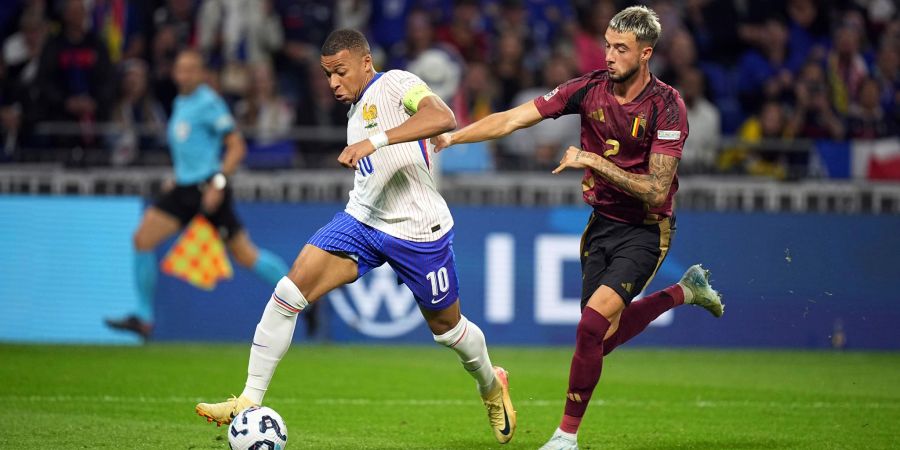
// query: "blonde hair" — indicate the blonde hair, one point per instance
point(640, 20)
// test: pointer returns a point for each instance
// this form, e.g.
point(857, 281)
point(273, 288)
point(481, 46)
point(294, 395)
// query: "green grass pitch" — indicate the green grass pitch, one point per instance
point(348, 397)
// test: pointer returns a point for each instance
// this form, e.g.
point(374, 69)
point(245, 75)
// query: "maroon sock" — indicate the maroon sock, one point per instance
point(587, 363)
point(639, 314)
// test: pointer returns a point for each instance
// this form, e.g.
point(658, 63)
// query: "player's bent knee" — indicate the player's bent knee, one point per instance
point(607, 302)
point(287, 298)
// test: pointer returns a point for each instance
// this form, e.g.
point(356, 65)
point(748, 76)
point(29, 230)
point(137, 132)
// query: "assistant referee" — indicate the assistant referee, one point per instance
point(200, 126)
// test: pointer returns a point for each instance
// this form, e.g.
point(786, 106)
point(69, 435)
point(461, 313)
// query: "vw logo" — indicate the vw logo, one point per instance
point(376, 305)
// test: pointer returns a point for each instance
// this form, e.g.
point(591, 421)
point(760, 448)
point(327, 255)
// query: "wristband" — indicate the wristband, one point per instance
point(219, 181)
point(379, 140)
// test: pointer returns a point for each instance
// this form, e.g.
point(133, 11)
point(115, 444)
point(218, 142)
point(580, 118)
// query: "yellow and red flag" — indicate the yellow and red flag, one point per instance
point(198, 256)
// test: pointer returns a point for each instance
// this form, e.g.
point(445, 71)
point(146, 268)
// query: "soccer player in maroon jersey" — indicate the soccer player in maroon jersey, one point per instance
point(633, 128)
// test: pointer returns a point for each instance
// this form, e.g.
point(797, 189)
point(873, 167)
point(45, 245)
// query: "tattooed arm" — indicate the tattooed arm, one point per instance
point(651, 188)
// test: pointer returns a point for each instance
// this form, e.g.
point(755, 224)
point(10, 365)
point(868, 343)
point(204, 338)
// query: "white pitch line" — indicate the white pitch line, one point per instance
point(458, 402)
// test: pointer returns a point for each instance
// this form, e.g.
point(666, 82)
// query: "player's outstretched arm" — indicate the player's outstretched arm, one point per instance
point(431, 118)
point(651, 188)
point(494, 126)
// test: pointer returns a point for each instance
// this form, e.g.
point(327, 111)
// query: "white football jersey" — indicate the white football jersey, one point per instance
point(393, 190)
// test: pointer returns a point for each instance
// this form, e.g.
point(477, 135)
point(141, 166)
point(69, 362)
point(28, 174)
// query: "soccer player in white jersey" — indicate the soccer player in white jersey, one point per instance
point(395, 215)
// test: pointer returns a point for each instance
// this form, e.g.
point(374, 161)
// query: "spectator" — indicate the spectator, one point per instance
point(712, 23)
point(879, 14)
point(540, 24)
point(814, 116)
point(234, 34)
point(702, 144)
point(509, 69)
point(541, 146)
point(75, 75)
point(267, 117)
point(263, 111)
point(761, 153)
point(440, 69)
point(139, 118)
point(321, 111)
point(355, 14)
point(512, 20)
point(764, 73)
point(866, 119)
point(887, 73)
point(18, 92)
point(10, 119)
point(120, 23)
point(175, 31)
point(751, 29)
point(24, 46)
point(465, 32)
point(593, 19)
point(476, 97)
point(419, 38)
point(680, 57)
point(13, 11)
point(437, 63)
point(846, 66)
point(670, 18)
point(807, 31)
point(177, 16)
point(386, 19)
point(306, 24)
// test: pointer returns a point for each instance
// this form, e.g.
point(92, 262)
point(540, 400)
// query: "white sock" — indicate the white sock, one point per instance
point(467, 340)
point(272, 338)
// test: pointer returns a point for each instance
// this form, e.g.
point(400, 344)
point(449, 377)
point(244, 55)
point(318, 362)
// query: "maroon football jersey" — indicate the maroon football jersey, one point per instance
point(654, 122)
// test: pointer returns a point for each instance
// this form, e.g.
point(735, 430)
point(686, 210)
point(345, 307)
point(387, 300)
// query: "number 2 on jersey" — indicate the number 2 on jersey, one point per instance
point(614, 150)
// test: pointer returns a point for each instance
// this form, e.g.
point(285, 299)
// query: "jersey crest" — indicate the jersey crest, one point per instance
point(638, 126)
point(182, 130)
point(369, 115)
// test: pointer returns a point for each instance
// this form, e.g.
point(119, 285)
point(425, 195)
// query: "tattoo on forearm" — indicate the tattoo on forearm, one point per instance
point(646, 187)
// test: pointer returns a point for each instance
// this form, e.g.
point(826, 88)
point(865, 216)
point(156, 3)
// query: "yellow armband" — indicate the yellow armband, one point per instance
point(413, 96)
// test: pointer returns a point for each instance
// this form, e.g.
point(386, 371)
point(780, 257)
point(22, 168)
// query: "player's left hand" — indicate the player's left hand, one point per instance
point(212, 199)
point(575, 158)
point(353, 153)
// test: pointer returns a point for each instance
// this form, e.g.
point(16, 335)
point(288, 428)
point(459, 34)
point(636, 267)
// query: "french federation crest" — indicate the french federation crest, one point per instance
point(370, 114)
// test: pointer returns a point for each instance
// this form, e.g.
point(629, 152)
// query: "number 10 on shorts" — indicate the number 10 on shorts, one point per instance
point(439, 281)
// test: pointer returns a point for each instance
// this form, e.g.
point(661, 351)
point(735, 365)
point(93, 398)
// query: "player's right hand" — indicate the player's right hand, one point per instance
point(441, 142)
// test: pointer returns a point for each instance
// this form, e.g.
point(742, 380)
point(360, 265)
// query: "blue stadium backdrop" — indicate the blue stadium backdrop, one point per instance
point(789, 280)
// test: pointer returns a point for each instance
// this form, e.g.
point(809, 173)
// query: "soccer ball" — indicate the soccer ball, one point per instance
point(257, 428)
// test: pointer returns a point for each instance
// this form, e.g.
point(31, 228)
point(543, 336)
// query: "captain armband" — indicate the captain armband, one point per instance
point(413, 96)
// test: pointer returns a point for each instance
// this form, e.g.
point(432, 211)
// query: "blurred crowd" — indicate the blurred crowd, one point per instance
point(761, 71)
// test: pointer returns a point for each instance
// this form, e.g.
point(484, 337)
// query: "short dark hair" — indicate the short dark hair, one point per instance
point(345, 39)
